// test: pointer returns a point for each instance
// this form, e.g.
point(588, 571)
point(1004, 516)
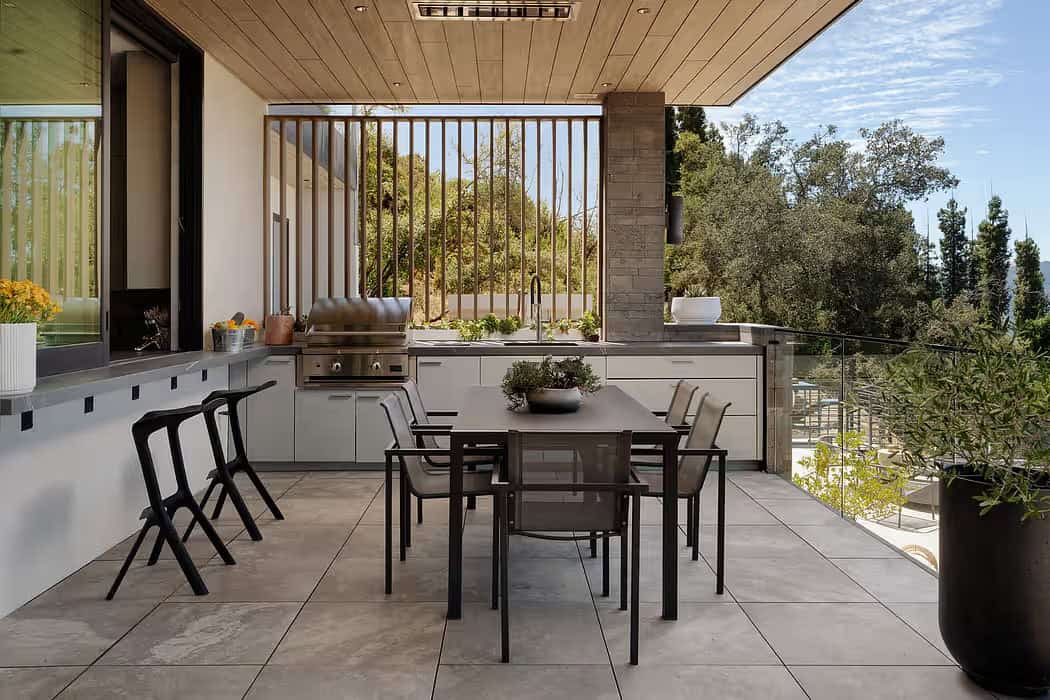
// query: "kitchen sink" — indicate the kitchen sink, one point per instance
point(544, 344)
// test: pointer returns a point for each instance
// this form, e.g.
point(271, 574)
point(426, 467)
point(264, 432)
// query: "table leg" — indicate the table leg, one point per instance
point(670, 534)
point(720, 567)
point(388, 518)
point(455, 528)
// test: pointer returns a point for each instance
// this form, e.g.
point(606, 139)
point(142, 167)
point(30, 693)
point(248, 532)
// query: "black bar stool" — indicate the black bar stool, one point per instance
point(224, 471)
point(161, 509)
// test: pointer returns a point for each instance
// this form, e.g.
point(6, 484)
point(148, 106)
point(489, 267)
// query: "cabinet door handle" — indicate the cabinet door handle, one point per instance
point(681, 362)
point(340, 397)
point(430, 363)
point(367, 397)
point(279, 360)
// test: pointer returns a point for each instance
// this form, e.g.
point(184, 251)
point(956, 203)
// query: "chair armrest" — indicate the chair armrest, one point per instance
point(431, 429)
point(713, 452)
point(395, 451)
point(683, 429)
point(438, 414)
point(660, 413)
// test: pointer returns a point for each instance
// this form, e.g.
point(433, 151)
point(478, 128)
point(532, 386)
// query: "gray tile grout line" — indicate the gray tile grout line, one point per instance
point(444, 626)
point(276, 646)
point(597, 613)
point(876, 598)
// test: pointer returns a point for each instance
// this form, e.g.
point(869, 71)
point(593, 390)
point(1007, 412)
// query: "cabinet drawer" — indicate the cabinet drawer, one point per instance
point(373, 428)
point(494, 368)
point(655, 394)
point(683, 367)
point(444, 381)
point(324, 425)
point(270, 417)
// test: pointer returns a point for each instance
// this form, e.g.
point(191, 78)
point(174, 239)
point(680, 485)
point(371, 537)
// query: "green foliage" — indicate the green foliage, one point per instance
point(1029, 296)
point(812, 235)
point(987, 409)
point(490, 324)
point(847, 476)
point(568, 373)
point(510, 324)
point(471, 331)
point(955, 252)
point(992, 258)
point(950, 324)
point(1036, 334)
point(589, 324)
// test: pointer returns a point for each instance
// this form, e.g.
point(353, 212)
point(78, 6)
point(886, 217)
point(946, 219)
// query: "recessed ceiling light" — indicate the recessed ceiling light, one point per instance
point(606, 84)
point(396, 84)
point(360, 8)
point(642, 10)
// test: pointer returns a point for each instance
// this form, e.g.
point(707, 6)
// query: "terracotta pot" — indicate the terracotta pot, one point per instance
point(279, 329)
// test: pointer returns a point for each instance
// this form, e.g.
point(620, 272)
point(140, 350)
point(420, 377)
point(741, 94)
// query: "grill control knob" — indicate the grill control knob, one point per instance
point(376, 366)
point(337, 366)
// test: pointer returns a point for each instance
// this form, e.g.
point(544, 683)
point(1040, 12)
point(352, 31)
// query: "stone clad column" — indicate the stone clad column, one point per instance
point(634, 216)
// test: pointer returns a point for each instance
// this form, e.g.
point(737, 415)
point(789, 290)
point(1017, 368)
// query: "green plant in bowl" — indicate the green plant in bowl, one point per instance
point(525, 377)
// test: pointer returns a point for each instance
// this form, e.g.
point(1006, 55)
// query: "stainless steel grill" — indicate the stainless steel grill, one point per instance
point(353, 340)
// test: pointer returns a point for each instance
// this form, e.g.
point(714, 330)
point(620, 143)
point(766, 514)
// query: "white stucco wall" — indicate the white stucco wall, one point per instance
point(233, 217)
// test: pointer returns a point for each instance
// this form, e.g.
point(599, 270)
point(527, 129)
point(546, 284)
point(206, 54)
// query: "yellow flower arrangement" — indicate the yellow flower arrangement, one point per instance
point(23, 301)
point(232, 325)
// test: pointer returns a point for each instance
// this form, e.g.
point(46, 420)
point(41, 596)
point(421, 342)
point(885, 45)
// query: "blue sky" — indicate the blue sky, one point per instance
point(976, 72)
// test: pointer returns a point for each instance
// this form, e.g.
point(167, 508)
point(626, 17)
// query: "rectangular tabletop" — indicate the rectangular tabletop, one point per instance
point(611, 409)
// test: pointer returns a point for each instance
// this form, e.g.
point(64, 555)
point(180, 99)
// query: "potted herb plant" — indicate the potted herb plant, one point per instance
point(23, 305)
point(590, 326)
point(696, 308)
point(979, 421)
point(549, 386)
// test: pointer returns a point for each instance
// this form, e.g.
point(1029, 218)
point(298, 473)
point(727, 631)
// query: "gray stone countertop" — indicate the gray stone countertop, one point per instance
point(72, 386)
point(446, 348)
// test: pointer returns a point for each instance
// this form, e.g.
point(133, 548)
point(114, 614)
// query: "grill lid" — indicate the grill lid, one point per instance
point(359, 321)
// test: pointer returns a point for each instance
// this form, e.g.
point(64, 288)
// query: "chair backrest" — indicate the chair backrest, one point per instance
point(692, 469)
point(680, 402)
point(419, 411)
point(564, 460)
point(402, 431)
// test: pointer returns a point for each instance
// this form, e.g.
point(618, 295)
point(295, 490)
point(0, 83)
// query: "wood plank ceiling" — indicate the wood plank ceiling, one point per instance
point(706, 52)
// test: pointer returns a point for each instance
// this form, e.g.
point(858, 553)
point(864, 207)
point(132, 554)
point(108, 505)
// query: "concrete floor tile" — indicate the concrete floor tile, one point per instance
point(924, 619)
point(751, 541)
point(373, 683)
point(162, 683)
point(843, 539)
point(792, 511)
point(35, 683)
point(892, 580)
point(887, 683)
point(311, 510)
point(722, 682)
point(525, 682)
point(763, 485)
point(805, 578)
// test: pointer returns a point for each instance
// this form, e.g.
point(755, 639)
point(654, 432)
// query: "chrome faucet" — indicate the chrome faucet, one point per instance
point(536, 303)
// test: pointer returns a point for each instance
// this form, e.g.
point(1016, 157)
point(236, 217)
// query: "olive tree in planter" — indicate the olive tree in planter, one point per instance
point(979, 420)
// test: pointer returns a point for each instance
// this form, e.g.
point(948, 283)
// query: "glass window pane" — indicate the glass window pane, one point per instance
point(50, 141)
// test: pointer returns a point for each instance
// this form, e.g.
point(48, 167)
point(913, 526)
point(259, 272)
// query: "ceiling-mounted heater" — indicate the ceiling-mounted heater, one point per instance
point(496, 10)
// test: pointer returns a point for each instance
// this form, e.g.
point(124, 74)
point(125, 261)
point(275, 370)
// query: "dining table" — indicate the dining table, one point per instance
point(486, 418)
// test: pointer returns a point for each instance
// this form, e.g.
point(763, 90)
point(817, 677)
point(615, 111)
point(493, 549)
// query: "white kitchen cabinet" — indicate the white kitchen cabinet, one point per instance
point(373, 428)
point(494, 367)
point(682, 366)
point(444, 381)
point(325, 421)
point(655, 394)
point(269, 421)
point(739, 435)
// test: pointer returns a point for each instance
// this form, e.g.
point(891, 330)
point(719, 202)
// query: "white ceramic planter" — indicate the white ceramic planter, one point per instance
point(17, 357)
point(696, 310)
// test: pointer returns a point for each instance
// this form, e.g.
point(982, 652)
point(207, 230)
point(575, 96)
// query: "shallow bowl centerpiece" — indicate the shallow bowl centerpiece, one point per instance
point(549, 386)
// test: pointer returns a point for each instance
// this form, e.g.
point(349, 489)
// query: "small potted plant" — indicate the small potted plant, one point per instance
point(694, 308)
point(590, 326)
point(978, 420)
point(279, 328)
point(233, 335)
point(549, 386)
point(23, 305)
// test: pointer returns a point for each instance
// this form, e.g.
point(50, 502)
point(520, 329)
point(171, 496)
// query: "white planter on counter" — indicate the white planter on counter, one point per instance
point(17, 357)
point(696, 310)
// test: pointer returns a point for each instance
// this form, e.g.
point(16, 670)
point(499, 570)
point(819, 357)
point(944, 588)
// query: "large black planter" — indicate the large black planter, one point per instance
point(995, 592)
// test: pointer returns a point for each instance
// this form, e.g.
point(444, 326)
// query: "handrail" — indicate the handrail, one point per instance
point(867, 339)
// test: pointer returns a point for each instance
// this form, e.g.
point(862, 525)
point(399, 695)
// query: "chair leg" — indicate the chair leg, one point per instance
point(406, 510)
point(594, 545)
point(203, 503)
point(496, 516)
point(158, 545)
point(419, 510)
point(213, 536)
point(623, 567)
point(636, 540)
point(217, 511)
point(242, 509)
point(189, 569)
point(689, 521)
point(605, 566)
point(264, 493)
point(504, 583)
point(402, 518)
point(695, 510)
point(388, 497)
point(127, 562)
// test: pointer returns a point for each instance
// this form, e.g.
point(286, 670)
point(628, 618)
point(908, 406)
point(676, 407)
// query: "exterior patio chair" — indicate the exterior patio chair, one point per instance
point(426, 436)
point(558, 484)
point(694, 462)
point(416, 480)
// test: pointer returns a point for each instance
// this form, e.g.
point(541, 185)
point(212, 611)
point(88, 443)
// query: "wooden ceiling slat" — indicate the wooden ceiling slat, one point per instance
point(757, 23)
point(440, 64)
point(812, 28)
point(283, 27)
point(488, 41)
point(406, 44)
point(695, 26)
point(542, 50)
point(671, 16)
point(724, 28)
point(642, 62)
point(491, 74)
point(391, 11)
point(635, 27)
point(459, 36)
point(778, 32)
point(238, 10)
point(599, 42)
point(570, 50)
point(335, 16)
point(317, 33)
point(266, 44)
point(517, 37)
point(325, 79)
point(373, 33)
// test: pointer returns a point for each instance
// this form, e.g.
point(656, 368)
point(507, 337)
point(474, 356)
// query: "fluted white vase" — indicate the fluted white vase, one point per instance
point(17, 357)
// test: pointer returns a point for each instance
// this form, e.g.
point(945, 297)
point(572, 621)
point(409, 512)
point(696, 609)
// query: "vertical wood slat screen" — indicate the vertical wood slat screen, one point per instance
point(516, 196)
point(48, 210)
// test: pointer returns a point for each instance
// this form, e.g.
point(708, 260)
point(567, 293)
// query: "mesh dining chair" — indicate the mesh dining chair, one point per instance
point(694, 463)
point(426, 434)
point(557, 485)
point(416, 480)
